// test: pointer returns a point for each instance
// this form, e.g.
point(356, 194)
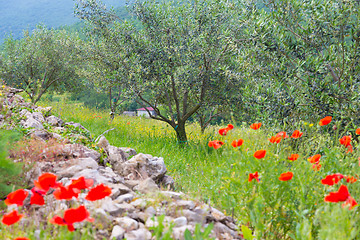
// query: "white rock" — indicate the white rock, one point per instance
point(117, 233)
point(147, 186)
point(127, 223)
point(140, 234)
point(180, 221)
point(124, 198)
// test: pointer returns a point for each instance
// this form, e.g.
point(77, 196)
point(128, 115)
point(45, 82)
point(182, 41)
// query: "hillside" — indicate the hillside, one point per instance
point(17, 15)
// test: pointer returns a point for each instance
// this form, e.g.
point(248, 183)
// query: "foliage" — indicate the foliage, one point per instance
point(303, 59)
point(179, 58)
point(41, 61)
point(8, 169)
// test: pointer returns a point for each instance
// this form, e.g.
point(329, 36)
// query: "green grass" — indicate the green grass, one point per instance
point(272, 209)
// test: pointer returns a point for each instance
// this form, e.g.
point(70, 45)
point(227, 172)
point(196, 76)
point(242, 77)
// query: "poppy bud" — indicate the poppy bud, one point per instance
point(334, 127)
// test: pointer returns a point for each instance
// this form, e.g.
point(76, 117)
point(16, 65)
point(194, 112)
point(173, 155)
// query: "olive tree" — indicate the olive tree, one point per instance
point(304, 58)
point(43, 59)
point(179, 56)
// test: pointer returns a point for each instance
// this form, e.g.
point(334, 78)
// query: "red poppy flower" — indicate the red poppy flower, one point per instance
point(350, 179)
point(223, 131)
point(215, 144)
point(293, 157)
point(17, 197)
point(275, 139)
point(286, 176)
point(72, 216)
point(282, 134)
point(315, 158)
point(296, 134)
point(345, 140)
point(58, 220)
point(79, 214)
point(230, 126)
point(21, 238)
point(340, 196)
point(332, 179)
point(66, 193)
point(98, 192)
point(46, 181)
point(349, 202)
point(357, 131)
point(316, 167)
point(255, 126)
point(237, 143)
point(260, 154)
point(81, 183)
point(36, 197)
point(254, 176)
point(11, 218)
point(325, 121)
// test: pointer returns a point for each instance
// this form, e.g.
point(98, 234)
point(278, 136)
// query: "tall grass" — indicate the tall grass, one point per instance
point(273, 209)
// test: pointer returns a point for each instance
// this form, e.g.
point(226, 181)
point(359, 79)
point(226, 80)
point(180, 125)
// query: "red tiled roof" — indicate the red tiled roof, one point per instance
point(143, 109)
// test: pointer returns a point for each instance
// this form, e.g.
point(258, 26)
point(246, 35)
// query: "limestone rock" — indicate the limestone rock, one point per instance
point(139, 234)
point(32, 123)
point(54, 121)
point(147, 186)
point(143, 166)
point(124, 198)
point(180, 221)
point(38, 116)
point(127, 223)
point(117, 233)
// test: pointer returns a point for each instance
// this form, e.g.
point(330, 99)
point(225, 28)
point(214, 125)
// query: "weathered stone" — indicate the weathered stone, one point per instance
point(139, 203)
point(219, 216)
point(180, 221)
point(221, 229)
point(117, 233)
point(77, 165)
point(147, 186)
point(118, 189)
point(167, 182)
point(40, 134)
point(191, 216)
point(127, 223)
point(173, 195)
point(178, 232)
point(143, 166)
point(150, 211)
point(32, 123)
point(95, 175)
point(109, 173)
point(103, 143)
point(116, 209)
point(101, 217)
point(124, 198)
point(55, 121)
point(115, 157)
point(38, 116)
point(132, 183)
point(185, 204)
point(139, 234)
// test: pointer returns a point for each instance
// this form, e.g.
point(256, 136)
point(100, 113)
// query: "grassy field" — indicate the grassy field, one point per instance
point(273, 209)
point(270, 206)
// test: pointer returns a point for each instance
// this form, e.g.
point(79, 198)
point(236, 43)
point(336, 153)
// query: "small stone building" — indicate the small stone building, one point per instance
point(144, 113)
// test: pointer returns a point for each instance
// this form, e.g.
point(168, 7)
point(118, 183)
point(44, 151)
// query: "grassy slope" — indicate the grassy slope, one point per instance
point(276, 209)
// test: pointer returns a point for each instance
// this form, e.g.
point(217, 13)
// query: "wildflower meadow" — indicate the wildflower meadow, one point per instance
point(294, 182)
